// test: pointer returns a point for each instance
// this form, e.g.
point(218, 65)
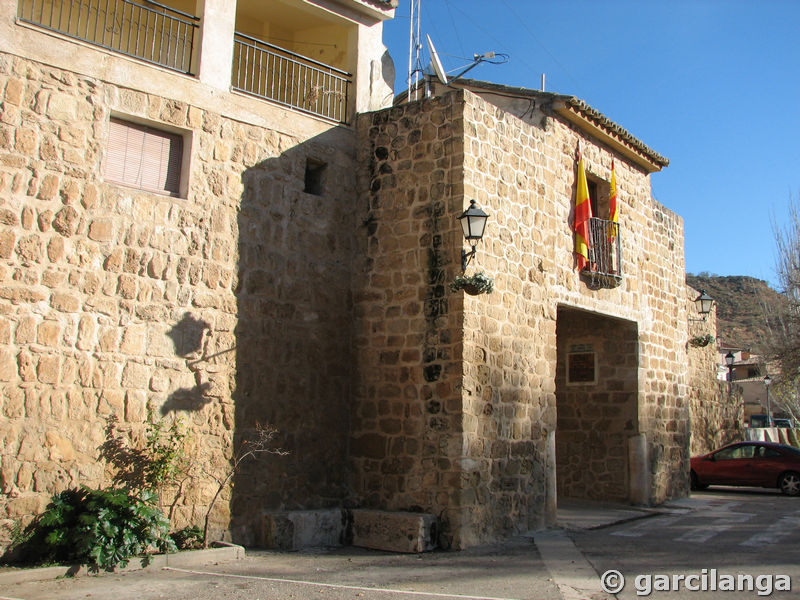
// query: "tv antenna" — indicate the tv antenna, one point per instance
point(414, 46)
point(436, 64)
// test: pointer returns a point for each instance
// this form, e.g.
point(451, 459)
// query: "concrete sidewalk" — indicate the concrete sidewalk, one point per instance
point(539, 566)
point(575, 515)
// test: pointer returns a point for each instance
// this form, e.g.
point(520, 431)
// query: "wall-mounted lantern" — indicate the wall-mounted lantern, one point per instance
point(730, 358)
point(473, 223)
point(703, 302)
point(767, 383)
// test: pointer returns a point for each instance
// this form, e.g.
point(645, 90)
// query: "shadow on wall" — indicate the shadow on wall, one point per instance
point(187, 336)
point(296, 227)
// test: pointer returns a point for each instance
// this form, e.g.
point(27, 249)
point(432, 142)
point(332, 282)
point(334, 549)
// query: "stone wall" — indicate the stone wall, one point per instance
point(717, 410)
point(252, 301)
point(522, 170)
point(407, 415)
point(491, 469)
point(226, 308)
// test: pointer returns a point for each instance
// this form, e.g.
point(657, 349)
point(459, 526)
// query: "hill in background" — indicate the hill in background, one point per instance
point(741, 301)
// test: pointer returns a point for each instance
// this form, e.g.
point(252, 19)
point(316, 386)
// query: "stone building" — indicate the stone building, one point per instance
point(556, 384)
point(717, 408)
point(230, 225)
point(177, 225)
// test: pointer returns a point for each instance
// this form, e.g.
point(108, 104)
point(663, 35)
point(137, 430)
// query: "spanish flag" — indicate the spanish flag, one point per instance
point(613, 206)
point(583, 212)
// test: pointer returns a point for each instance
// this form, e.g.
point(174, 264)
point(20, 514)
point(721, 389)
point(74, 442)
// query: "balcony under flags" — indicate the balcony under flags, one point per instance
point(148, 31)
point(604, 269)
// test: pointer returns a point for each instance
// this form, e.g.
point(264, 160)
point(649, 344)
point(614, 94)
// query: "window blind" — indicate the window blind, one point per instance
point(143, 157)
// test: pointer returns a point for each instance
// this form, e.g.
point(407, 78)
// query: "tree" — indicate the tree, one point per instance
point(783, 319)
point(259, 444)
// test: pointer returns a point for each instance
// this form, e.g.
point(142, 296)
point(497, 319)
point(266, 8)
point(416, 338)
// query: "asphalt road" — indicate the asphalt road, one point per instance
point(733, 531)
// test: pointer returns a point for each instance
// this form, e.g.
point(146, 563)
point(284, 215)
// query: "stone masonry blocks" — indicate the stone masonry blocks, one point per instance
point(394, 531)
point(214, 309)
point(296, 530)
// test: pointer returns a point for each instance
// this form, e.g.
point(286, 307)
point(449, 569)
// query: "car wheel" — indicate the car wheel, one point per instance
point(789, 483)
point(696, 485)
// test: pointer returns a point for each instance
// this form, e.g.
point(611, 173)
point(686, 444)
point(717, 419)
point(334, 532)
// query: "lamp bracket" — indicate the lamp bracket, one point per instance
point(466, 257)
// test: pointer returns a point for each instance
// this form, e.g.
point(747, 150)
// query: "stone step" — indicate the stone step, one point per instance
point(295, 530)
point(393, 531)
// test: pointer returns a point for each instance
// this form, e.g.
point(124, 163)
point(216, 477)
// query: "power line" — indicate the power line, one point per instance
point(490, 35)
point(522, 22)
point(455, 29)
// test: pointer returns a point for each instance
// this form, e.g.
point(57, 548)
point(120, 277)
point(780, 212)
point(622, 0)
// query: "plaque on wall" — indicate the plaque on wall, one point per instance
point(581, 367)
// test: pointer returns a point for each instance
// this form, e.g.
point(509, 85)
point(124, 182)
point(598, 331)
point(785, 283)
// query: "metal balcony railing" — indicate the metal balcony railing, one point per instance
point(275, 74)
point(150, 31)
point(605, 253)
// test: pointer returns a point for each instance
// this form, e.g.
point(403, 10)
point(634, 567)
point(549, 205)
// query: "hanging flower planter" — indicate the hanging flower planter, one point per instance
point(701, 340)
point(479, 283)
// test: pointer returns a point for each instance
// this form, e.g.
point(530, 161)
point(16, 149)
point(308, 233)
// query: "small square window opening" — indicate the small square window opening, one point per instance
point(315, 171)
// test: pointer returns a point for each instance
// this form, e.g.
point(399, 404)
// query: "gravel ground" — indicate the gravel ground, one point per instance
point(511, 570)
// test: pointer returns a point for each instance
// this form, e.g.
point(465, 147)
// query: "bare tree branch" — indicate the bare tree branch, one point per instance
point(255, 447)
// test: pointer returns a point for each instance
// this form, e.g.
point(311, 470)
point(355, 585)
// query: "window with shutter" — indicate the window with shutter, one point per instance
point(143, 157)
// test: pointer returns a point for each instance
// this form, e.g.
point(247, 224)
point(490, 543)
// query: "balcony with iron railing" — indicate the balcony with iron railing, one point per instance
point(604, 269)
point(290, 79)
point(148, 31)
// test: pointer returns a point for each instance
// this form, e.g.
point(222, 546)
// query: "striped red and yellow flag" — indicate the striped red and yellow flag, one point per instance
point(612, 204)
point(583, 212)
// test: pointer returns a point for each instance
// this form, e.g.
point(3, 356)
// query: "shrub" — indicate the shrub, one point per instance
point(101, 528)
point(188, 538)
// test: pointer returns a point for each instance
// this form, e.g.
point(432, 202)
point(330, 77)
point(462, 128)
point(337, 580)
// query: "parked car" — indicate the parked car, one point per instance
point(759, 421)
point(759, 464)
point(763, 421)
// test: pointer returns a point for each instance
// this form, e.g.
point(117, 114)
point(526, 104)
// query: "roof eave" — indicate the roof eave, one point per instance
point(647, 161)
point(381, 10)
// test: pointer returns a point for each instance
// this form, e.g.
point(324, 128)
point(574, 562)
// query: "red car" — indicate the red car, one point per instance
point(759, 464)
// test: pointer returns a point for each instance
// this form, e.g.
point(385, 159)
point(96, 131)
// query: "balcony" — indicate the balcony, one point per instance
point(605, 255)
point(153, 32)
point(278, 75)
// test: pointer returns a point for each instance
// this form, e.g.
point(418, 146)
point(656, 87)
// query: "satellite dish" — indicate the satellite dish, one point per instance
point(435, 62)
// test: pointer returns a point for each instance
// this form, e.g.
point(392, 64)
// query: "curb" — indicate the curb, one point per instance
point(185, 559)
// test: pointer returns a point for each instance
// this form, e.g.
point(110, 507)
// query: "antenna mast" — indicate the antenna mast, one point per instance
point(414, 46)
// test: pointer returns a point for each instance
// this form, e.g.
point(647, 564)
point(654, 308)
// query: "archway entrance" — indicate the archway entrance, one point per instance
point(597, 404)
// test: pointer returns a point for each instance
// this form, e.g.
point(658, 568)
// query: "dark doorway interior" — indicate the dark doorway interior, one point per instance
point(596, 398)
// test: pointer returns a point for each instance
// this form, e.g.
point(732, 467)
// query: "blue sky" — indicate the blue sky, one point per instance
point(712, 85)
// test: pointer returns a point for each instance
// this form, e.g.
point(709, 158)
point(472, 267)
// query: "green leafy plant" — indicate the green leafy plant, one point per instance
point(188, 538)
point(19, 533)
point(479, 283)
point(700, 341)
point(101, 528)
point(157, 465)
point(164, 448)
